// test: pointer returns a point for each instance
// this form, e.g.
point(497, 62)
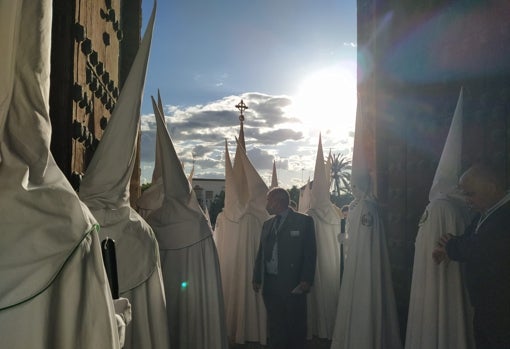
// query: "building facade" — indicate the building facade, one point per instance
point(207, 189)
point(413, 59)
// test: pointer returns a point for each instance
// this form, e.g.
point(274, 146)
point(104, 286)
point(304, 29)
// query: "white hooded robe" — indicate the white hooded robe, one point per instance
point(53, 289)
point(191, 273)
point(323, 298)
point(237, 235)
point(105, 190)
point(367, 313)
point(439, 312)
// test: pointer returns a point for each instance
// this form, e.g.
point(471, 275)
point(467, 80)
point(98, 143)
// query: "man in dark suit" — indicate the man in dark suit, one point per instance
point(285, 268)
point(485, 250)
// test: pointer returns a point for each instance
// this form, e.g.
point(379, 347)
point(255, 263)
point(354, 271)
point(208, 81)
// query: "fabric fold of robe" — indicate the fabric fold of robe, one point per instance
point(367, 313)
point(105, 190)
point(439, 312)
point(237, 235)
point(440, 315)
point(189, 260)
point(50, 259)
point(323, 298)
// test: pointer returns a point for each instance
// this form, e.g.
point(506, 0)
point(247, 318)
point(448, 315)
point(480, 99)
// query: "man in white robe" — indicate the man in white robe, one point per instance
point(105, 190)
point(323, 298)
point(367, 313)
point(237, 235)
point(189, 260)
point(152, 197)
point(53, 289)
point(439, 311)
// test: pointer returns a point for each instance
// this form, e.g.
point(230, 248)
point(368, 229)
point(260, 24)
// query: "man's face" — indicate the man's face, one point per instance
point(475, 194)
point(272, 204)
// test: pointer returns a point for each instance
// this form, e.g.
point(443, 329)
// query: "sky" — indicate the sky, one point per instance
point(292, 62)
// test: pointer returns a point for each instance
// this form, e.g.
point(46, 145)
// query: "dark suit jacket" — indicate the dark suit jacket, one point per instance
point(487, 257)
point(297, 252)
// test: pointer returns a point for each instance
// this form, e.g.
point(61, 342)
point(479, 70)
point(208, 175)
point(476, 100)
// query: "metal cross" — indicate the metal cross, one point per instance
point(242, 107)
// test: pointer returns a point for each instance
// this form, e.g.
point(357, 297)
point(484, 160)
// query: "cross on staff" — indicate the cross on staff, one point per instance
point(242, 107)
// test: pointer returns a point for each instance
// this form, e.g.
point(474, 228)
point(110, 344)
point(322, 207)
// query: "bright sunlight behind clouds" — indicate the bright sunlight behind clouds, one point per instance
point(281, 128)
point(296, 72)
point(326, 100)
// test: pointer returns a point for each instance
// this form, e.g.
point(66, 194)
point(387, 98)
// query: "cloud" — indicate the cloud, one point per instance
point(350, 44)
point(200, 151)
point(261, 160)
point(273, 137)
point(271, 133)
point(148, 145)
point(210, 164)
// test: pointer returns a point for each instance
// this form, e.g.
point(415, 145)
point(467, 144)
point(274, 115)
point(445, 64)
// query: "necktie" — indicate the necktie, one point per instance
point(271, 239)
point(276, 224)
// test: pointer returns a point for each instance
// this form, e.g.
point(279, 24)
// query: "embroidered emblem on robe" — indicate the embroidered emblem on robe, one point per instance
point(367, 220)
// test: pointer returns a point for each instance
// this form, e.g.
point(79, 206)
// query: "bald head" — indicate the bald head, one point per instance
point(277, 200)
point(482, 187)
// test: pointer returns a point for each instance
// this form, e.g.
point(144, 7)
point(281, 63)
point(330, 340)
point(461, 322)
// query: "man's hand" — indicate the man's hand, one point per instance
point(305, 286)
point(439, 254)
point(256, 286)
point(443, 240)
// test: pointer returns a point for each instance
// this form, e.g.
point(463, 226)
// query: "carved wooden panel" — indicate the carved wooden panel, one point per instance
point(97, 33)
point(92, 53)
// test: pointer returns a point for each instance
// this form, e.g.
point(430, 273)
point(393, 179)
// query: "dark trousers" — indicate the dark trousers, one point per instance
point(286, 316)
point(492, 329)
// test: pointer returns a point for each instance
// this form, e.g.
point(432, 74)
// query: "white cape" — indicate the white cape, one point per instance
point(152, 198)
point(51, 266)
point(323, 298)
point(105, 190)
point(367, 313)
point(439, 312)
point(189, 259)
point(237, 235)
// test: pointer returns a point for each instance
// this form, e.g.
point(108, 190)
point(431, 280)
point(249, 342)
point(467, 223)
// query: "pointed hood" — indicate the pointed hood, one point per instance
point(10, 28)
point(449, 167)
point(360, 174)
point(107, 193)
point(240, 175)
point(257, 188)
point(274, 177)
point(42, 219)
point(241, 136)
point(238, 168)
point(29, 136)
point(157, 172)
point(191, 174)
point(304, 198)
point(230, 184)
point(106, 181)
point(180, 221)
point(329, 165)
point(152, 198)
point(320, 189)
point(175, 181)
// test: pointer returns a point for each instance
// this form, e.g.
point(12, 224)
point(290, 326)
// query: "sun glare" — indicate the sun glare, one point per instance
point(327, 100)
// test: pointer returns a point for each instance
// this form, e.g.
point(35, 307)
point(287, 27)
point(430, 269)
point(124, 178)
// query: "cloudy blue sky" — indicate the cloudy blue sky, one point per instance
point(293, 62)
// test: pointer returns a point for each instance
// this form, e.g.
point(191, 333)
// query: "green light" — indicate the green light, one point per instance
point(184, 284)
